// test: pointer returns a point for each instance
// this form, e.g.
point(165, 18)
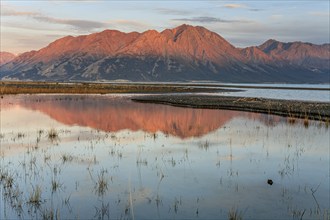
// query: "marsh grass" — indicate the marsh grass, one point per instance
point(35, 196)
point(66, 158)
point(89, 88)
point(306, 122)
point(50, 214)
point(52, 135)
point(142, 162)
point(20, 135)
point(103, 211)
point(101, 185)
point(56, 185)
point(234, 214)
point(291, 120)
point(6, 179)
point(204, 145)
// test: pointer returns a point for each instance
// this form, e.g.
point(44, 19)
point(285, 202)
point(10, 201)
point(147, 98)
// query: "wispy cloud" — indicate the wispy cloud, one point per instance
point(319, 13)
point(171, 11)
point(243, 6)
point(235, 6)
point(8, 11)
point(80, 25)
point(256, 9)
point(206, 19)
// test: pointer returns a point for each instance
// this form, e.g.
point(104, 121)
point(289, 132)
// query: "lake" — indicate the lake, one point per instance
point(301, 92)
point(106, 157)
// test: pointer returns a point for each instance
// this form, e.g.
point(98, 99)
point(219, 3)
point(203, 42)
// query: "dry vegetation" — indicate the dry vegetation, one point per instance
point(93, 88)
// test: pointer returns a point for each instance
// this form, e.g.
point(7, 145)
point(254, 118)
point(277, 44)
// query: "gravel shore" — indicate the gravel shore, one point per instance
point(288, 108)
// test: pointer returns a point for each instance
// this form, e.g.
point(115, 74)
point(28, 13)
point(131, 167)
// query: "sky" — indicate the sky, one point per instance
point(30, 25)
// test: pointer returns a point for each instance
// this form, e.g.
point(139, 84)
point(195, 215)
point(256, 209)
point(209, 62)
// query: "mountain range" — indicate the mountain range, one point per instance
point(184, 53)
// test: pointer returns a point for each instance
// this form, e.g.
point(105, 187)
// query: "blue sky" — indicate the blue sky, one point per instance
point(30, 25)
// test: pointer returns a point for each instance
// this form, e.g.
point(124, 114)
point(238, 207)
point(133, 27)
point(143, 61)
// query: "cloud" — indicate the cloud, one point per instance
point(172, 11)
point(232, 6)
point(235, 6)
point(256, 9)
point(206, 19)
point(8, 11)
point(255, 33)
point(18, 13)
point(319, 13)
point(81, 25)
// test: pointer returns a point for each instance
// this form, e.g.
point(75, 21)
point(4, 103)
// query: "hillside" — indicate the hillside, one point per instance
point(183, 53)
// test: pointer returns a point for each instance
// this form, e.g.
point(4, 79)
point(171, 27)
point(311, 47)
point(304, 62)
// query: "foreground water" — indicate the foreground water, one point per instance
point(85, 157)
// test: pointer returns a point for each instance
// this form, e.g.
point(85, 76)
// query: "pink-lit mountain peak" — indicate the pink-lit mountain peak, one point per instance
point(182, 53)
point(185, 41)
point(107, 42)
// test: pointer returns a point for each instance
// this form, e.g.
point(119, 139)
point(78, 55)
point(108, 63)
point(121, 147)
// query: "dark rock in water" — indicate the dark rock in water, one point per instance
point(270, 182)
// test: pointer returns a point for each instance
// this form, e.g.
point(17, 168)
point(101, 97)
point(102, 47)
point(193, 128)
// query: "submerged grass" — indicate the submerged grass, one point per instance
point(101, 185)
point(52, 135)
point(234, 214)
point(35, 196)
point(306, 122)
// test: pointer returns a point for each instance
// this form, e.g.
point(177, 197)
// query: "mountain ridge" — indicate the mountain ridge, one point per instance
point(6, 57)
point(183, 53)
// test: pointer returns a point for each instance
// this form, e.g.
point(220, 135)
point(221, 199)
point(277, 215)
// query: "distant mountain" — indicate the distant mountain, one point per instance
point(183, 53)
point(6, 57)
point(297, 53)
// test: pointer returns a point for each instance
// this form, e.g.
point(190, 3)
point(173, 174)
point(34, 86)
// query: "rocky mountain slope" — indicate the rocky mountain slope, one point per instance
point(6, 57)
point(183, 53)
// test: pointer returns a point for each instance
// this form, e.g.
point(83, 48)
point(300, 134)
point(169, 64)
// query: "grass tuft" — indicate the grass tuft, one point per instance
point(234, 214)
point(102, 184)
point(35, 196)
point(52, 135)
point(306, 122)
point(291, 120)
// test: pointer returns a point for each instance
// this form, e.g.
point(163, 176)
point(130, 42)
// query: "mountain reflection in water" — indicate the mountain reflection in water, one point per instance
point(112, 114)
point(55, 160)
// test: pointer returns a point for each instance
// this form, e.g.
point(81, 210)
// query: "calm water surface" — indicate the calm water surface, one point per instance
point(284, 94)
point(105, 157)
point(303, 92)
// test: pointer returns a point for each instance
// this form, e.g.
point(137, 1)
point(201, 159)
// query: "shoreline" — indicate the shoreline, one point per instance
point(31, 87)
point(12, 88)
point(293, 109)
point(160, 95)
